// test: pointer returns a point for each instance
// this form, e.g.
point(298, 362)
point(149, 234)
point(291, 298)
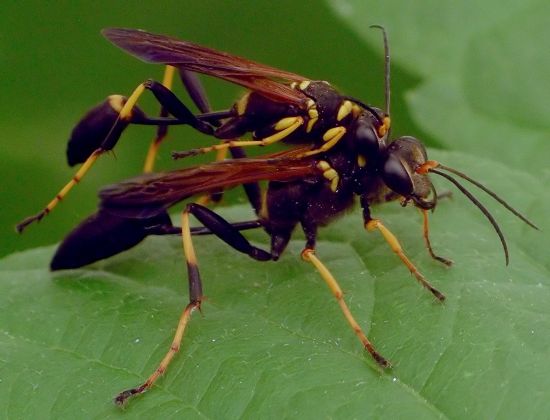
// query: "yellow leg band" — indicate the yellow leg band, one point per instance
point(188, 249)
point(297, 122)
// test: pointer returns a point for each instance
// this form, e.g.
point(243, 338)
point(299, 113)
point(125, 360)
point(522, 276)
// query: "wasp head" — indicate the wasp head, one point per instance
point(399, 170)
point(405, 168)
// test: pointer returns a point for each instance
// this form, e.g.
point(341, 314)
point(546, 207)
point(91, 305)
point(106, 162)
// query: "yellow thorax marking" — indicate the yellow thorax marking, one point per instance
point(333, 132)
point(344, 110)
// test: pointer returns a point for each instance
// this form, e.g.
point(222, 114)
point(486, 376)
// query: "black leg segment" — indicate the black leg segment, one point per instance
point(227, 232)
point(176, 107)
point(195, 89)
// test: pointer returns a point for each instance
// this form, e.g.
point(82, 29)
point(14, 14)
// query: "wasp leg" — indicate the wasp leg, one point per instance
point(176, 107)
point(252, 190)
point(375, 224)
point(426, 234)
point(162, 130)
point(227, 232)
point(283, 128)
point(168, 229)
point(194, 303)
point(198, 95)
point(221, 228)
point(308, 254)
point(215, 196)
point(196, 90)
point(247, 225)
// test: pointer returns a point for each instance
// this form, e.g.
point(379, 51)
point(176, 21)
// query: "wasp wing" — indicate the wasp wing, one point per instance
point(148, 195)
point(163, 49)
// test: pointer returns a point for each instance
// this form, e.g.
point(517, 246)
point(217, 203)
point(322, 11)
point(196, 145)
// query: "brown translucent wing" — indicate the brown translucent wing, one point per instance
point(163, 49)
point(150, 194)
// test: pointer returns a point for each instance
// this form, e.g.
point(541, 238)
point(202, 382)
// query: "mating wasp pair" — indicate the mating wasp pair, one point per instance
point(340, 148)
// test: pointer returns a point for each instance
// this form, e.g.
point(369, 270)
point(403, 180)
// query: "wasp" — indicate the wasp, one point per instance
point(279, 106)
point(308, 186)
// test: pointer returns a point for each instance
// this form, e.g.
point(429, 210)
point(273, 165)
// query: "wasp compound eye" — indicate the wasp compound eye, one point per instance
point(396, 177)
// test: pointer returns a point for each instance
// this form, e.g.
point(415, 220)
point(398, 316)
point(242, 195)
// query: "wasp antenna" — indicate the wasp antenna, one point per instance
point(387, 89)
point(480, 206)
point(492, 194)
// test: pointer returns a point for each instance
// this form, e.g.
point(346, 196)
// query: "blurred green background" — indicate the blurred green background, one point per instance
point(56, 65)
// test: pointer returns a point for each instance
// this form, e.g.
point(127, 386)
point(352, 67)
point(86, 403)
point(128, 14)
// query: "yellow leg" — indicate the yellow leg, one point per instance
point(126, 112)
point(62, 193)
point(284, 128)
point(309, 256)
point(121, 398)
point(195, 303)
point(392, 241)
point(426, 234)
point(167, 81)
point(221, 155)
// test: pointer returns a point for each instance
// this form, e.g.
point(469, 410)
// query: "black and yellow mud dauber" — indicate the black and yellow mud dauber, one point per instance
point(340, 150)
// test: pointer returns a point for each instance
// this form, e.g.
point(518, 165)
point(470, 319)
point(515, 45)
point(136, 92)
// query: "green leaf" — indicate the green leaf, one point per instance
point(272, 343)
